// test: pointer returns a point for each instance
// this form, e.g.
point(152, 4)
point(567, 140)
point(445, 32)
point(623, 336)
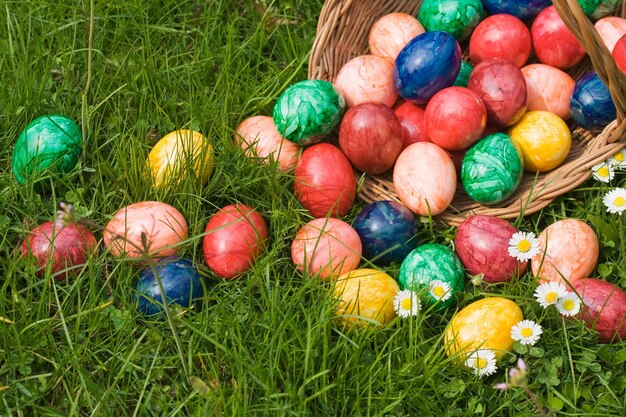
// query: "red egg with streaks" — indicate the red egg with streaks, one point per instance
point(371, 137)
point(553, 42)
point(234, 238)
point(325, 181)
point(611, 29)
point(619, 53)
point(411, 119)
point(548, 89)
point(603, 309)
point(501, 36)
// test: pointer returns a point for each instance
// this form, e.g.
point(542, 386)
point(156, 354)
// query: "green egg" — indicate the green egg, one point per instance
point(597, 9)
point(464, 73)
point(457, 17)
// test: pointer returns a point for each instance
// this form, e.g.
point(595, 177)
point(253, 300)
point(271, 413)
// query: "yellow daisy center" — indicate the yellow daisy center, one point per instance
point(480, 363)
point(569, 305)
point(603, 172)
point(619, 157)
point(439, 291)
point(527, 332)
point(523, 245)
point(406, 304)
point(619, 201)
point(551, 297)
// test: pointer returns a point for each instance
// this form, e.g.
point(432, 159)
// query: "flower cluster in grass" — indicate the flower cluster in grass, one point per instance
point(615, 199)
point(556, 294)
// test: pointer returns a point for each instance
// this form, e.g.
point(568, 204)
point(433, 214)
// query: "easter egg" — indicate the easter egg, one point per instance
point(524, 10)
point(464, 73)
point(387, 231)
point(234, 238)
point(543, 138)
point(427, 64)
point(180, 280)
point(553, 42)
point(370, 136)
point(411, 120)
point(258, 137)
point(548, 89)
point(50, 144)
point(569, 251)
point(391, 33)
point(502, 88)
point(428, 263)
point(619, 53)
point(603, 309)
point(307, 111)
point(484, 324)
point(180, 154)
point(365, 297)
point(611, 29)
point(597, 9)
point(500, 36)
point(425, 179)
point(149, 228)
point(457, 17)
point(367, 79)
point(482, 244)
point(325, 181)
point(326, 247)
point(492, 169)
point(592, 106)
point(462, 106)
point(61, 247)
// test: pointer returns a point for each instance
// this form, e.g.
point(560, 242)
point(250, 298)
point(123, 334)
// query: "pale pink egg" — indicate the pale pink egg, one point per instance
point(367, 79)
point(610, 29)
point(548, 89)
point(425, 178)
point(569, 251)
point(392, 32)
point(259, 138)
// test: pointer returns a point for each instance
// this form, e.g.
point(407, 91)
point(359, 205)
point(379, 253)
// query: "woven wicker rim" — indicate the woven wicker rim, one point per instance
point(342, 34)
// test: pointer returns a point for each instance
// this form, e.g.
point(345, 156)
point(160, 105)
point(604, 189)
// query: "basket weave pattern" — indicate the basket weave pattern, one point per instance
point(342, 34)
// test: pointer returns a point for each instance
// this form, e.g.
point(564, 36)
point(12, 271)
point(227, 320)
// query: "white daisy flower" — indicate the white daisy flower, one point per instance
point(603, 172)
point(526, 332)
point(406, 303)
point(549, 293)
point(523, 246)
point(619, 159)
point(482, 362)
point(569, 304)
point(440, 290)
point(615, 201)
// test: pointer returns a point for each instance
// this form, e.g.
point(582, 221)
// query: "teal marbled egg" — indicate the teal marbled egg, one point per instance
point(597, 9)
point(457, 17)
point(428, 263)
point(492, 169)
point(307, 111)
point(49, 144)
point(464, 73)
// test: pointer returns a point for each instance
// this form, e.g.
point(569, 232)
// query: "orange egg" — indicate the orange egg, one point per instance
point(548, 89)
point(391, 33)
point(367, 79)
point(259, 138)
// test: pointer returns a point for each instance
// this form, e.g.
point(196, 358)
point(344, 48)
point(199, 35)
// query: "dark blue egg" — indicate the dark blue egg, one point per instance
point(387, 230)
point(524, 10)
point(181, 282)
point(592, 106)
point(427, 64)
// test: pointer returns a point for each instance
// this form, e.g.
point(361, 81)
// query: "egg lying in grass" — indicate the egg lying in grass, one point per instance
point(603, 309)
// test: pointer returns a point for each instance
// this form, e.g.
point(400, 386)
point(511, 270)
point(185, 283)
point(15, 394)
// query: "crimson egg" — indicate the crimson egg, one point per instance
point(603, 309)
point(411, 119)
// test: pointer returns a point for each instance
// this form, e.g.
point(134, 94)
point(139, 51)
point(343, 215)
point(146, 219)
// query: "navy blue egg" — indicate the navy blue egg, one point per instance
point(524, 10)
point(592, 106)
point(181, 282)
point(427, 64)
point(387, 230)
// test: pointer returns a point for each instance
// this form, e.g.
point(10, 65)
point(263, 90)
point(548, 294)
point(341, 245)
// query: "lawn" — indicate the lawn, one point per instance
point(265, 343)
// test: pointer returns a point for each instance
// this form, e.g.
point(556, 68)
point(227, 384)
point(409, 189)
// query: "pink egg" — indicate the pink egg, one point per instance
point(367, 79)
point(148, 226)
point(610, 29)
point(328, 247)
point(569, 251)
point(411, 119)
point(259, 138)
point(604, 308)
point(425, 179)
point(548, 89)
point(553, 42)
point(391, 33)
point(501, 36)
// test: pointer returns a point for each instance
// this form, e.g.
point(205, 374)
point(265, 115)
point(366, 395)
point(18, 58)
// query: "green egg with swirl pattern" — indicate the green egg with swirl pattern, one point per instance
point(307, 111)
point(457, 17)
point(50, 144)
point(492, 169)
point(435, 273)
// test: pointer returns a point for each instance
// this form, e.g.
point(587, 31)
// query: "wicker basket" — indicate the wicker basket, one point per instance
point(342, 34)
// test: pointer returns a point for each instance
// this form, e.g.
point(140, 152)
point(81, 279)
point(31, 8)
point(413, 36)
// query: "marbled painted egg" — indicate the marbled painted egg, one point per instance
point(597, 9)
point(457, 17)
point(464, 74)
point(391, 33)
point(258, 137)
point(553, 42)
point(548, 89)
point(610, 30)
point(524, 9)
point(501, 36)
point(367, 79)
point(603, 309)
point(411, 119)
point(592, 106)
point(619, 54)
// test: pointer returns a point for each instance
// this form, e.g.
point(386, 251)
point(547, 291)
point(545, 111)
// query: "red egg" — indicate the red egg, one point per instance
point(501, 36)
point(328, 247)
point(62, 246)
point(482, 243)
point(611, 29)
point(325, 181)
point(455, 118)
point(371, 137)
point(411, 119)
point(234, 238)
point(553, 42)
point(502, 87)
point(604, 308)
point(619, 53)
point(259, 138)
point(548, 89)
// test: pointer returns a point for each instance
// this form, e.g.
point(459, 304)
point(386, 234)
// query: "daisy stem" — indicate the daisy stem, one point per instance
point(535, 401)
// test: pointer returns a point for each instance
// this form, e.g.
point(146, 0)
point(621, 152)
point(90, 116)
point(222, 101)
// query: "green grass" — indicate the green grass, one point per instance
point(266, 343)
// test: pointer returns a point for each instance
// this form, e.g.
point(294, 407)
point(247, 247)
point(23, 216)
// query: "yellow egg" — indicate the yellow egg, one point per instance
point(544, 138)
point(365, 296)
point(179, 154)
point(484, 324)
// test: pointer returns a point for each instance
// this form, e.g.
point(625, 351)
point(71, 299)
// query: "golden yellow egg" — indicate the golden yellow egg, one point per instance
point(179, 154)
point(544, 139)
point(365, 296)
point(484, 324)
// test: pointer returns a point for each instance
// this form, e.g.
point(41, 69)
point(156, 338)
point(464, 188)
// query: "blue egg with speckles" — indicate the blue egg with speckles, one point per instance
point(427, 64)
point(387, 230)
point(524, 10)
point(181, 282)
point(591, 105)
